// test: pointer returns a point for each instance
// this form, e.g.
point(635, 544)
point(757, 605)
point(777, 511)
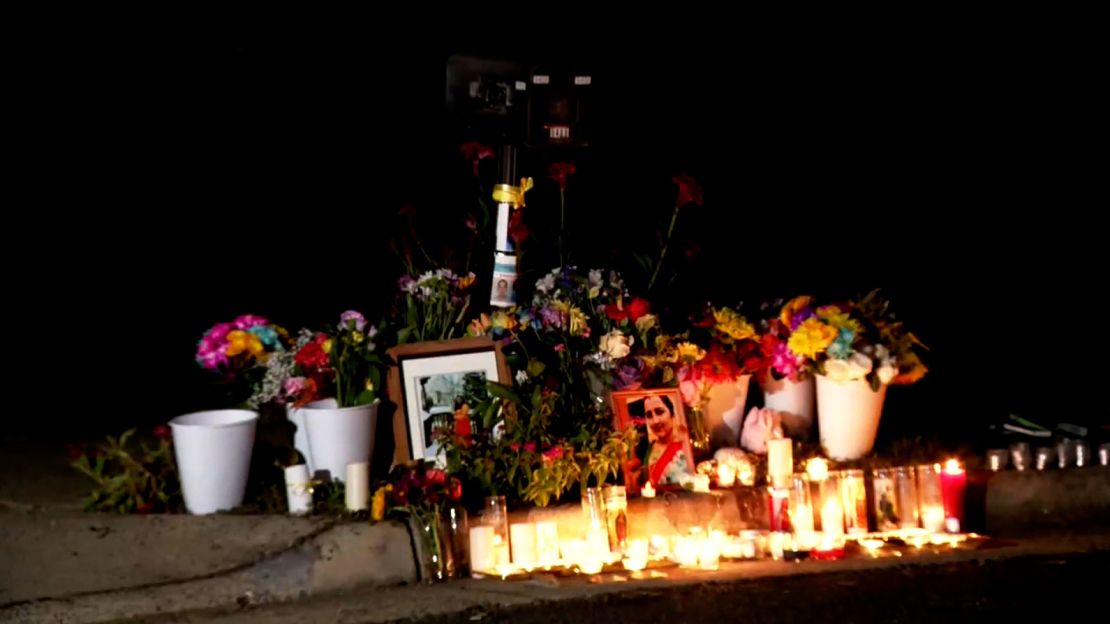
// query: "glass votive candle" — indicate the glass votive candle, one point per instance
point(1044, 457)
point(930, 497)
point(616, 516)
point(1104, 454)
point(906, 487)
point(1082, 454)
point(1021, 456)
point(1064, 451)
point(801, 505)
point(853, 500)
point(997, 459)
point(887, 515)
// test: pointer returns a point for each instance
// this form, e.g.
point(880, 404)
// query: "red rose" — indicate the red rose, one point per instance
point(559, 172)
point(689, 191)
point(436, 476)
point(162, 432)
point(616, 312)
point(475, 152)
point(454, 491)
point(638, 308)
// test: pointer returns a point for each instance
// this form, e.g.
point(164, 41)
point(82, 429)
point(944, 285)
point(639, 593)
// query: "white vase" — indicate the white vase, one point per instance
point(794, 400)
point(848, 416)
point(300, 436)
point(724, 414)
point(338, 436)
point(213, 451)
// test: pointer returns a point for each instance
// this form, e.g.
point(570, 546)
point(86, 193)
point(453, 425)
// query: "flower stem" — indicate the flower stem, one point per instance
point(663, 254)
point(562, 224)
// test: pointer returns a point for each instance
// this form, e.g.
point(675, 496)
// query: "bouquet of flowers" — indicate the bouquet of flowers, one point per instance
point(778, 340)
point(344, 362)
point(415, 491)
point(239, 351)
point(433, 305)
point(857, 340)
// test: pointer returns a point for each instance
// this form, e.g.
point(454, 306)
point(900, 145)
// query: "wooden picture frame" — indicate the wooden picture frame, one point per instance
point(628, 410)
point(445, 364)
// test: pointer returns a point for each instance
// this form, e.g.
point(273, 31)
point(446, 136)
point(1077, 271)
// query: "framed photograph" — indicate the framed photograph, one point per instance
point(430, 381)
point(663, 455)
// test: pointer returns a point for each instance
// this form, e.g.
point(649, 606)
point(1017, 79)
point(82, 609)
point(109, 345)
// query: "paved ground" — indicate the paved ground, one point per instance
point(967, 586)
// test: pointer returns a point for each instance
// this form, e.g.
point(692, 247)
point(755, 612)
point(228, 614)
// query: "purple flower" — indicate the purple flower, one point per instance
point(628, 373)
point(247, 321)
point(352, 315)
point(552, 317)
point(800, 318)
point(407, 283)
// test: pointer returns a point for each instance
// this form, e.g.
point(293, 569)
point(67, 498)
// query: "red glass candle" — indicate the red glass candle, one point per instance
point(953, 483)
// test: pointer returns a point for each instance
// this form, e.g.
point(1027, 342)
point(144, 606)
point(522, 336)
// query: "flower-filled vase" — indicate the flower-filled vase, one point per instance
point(848, 415)
point(794, 401)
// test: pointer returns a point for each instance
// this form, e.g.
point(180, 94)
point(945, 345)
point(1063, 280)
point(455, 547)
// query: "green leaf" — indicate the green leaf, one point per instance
point(503, 392)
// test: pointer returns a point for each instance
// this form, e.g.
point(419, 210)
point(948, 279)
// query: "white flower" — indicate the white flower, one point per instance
point(851, 369)
point(616, 345)
point(546, 284)
point(595, 278)
point(521, 377)
point(886, 373)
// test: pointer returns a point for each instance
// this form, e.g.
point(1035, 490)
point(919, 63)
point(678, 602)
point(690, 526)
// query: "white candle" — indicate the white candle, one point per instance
point(726, 476)
point(357, 487)
point(648, 491)
point(481, 549)
point(701, 483)
point(597, 541)
point(780, 461)
point(817, 469)
point(298, 489)
point(710, 554)
point(523, 539)
point(686, 551)
point(547, 543)
point(801, 519)
point(637, 555)
point(932, 518)
point(832, 518)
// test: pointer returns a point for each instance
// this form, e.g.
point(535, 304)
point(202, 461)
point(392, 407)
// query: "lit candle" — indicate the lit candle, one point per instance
point(500, 551)
point(818, 469)
point(832, 518)
point(701, 483)
point(780, 461)
point(872, 545)
point(932, 518)
point(726, 476)
point(801, 519)
point(953, 481)
point(648, 491)
point(547, 543)
point(710, 555)
point(659, 546)
point(523, 540)
point(686, 551)
point(637, 555)
point(745, 474)
point(597, 541)
point(481, 549)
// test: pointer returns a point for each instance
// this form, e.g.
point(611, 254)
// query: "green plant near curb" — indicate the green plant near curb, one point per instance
point(131, 476)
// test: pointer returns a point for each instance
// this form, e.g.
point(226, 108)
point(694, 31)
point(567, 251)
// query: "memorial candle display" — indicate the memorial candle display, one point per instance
point(953, 482)
point(931, 500)
point(780, 461)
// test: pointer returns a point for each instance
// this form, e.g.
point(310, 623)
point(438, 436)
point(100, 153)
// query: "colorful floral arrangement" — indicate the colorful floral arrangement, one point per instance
point(858, 340)
point(419, 492)
point(433, 305)
point(239, 351)
point(782, 344)
point(719, 348)
point(343, 363)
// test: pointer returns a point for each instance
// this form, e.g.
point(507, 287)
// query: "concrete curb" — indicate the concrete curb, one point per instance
point(342, 557)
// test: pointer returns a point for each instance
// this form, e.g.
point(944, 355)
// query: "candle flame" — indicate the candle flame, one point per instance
point(817, 468)
point(952, 466)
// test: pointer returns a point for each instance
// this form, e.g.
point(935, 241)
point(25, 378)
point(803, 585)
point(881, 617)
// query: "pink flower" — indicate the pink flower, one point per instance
point(211, 359)
point(559, 348)
point(294, 386)
point(530, 447)
point(553, 453)
point(219, 332)
point(247, 321)
point(352, 315)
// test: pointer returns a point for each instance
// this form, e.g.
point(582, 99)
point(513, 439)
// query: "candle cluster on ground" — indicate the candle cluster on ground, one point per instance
point(817, 514)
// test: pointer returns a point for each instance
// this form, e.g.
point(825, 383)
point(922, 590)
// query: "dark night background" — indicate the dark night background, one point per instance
point(256, 169)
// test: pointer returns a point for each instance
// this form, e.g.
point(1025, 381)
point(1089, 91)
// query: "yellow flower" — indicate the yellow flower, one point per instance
point(578, 324)
point(356, 337)
point(480, 326)
point(239, 341)
point(466, 281)
point(327, 345)
point(369, 385)
point(731, 322)
point(792, 307)
point(503, 320)
point(689, 352)
point(811, 338)
point(377, 506)
point(838, 318)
